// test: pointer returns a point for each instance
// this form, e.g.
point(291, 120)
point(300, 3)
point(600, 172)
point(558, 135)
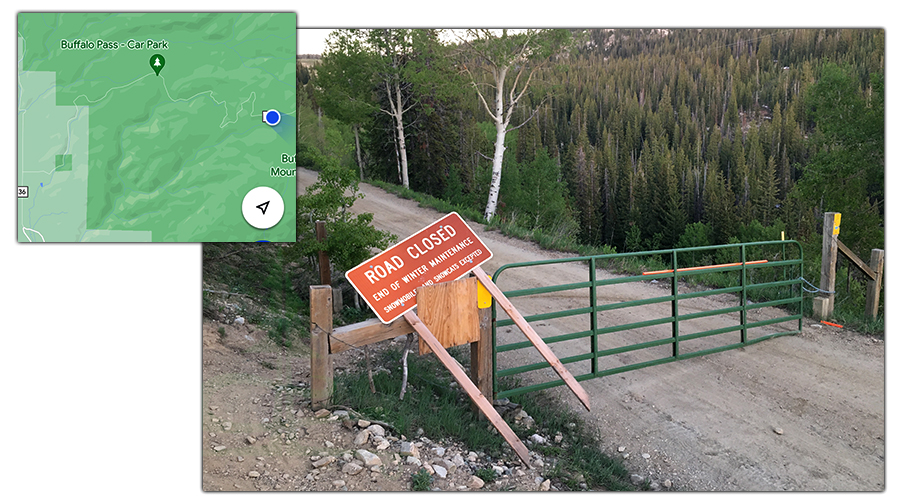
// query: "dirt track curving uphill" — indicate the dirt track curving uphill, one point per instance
point(707, 423)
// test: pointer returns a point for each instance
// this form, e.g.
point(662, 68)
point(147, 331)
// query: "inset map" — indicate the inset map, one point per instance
point(153, 127)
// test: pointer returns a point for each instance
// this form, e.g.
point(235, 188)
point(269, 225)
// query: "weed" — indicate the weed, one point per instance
point(222, 333)
point(279, 333)
point(486, 475)
point(421, 480)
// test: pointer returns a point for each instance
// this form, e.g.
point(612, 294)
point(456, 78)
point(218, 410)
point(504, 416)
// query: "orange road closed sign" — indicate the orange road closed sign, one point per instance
point(444, 251)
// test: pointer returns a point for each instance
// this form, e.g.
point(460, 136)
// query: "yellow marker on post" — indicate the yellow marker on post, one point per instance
point(484, 296)
point(837, 224)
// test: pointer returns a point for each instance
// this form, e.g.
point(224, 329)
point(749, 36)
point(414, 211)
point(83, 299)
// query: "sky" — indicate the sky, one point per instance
point(101, 348)
point(311, 40)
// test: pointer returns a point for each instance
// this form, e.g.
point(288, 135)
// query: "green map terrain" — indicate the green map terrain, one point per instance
point(111, 151)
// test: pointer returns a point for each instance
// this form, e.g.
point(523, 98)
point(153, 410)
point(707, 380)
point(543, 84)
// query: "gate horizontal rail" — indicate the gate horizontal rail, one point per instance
point(785, 286)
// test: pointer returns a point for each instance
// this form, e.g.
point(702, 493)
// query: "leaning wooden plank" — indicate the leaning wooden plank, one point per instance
point(469, 386)
point(366, 332)
point(533, 337)
point(844, 249)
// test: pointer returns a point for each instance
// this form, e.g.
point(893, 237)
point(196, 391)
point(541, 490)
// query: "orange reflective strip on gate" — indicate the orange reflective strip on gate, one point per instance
point(715, 266)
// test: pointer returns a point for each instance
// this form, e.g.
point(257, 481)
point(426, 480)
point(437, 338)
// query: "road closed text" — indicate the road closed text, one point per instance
point(445, 250)
point(417, 250)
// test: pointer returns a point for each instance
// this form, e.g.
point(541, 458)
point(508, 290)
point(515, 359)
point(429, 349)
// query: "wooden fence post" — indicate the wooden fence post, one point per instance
point(482, 359)
point(873, 292)
point(324, 264)
point(823, 305)
point(321, 373)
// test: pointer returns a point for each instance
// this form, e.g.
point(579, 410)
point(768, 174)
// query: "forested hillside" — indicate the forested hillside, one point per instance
point(635, 139)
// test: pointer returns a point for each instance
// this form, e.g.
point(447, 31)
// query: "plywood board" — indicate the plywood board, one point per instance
point(449, 310)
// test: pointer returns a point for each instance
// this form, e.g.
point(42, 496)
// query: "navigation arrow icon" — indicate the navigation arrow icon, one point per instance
point(263, 207)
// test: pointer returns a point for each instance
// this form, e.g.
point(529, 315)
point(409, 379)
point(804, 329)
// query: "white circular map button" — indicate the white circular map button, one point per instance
point(262, 207)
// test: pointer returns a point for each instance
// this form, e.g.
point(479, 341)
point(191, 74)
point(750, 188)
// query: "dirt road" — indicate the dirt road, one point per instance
point(802, 412)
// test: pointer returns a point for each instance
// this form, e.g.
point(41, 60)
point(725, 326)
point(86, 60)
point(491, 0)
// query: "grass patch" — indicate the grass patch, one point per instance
point(430, 403)
point(279, 333)
point(486, 475)
point(443, 411)
point(421, 480)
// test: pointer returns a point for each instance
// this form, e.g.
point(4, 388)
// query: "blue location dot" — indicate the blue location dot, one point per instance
point(271, 117)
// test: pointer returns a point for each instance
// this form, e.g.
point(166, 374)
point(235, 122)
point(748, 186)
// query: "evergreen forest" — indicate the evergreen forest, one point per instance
point(618, 139)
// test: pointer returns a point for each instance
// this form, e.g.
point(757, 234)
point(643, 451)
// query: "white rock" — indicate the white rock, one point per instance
point(351, 468)
point(376, 430)
point(545, 486)
point(220, 448)
point(449, 465)
point(439, 451)
point(253, 473)
point(497, 469)
point(226, 426)
point(537, 439)
point(440, 471)
point(329, 444)
point(413, 460)
point(475, 482)
point(646, 455)
point(338, 483)
point(407, 449)
point(369, 459)
point(239, 321)
point(361, 438)
point(363, 423)
point(621, 449)
point(323, 462)
point(459, 460)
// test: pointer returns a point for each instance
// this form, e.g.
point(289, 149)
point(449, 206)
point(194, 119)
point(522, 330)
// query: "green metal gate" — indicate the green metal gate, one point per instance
point(762, 271)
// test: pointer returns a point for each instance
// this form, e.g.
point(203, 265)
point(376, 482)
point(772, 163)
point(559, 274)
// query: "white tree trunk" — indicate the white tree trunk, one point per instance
point(501, 122)
point(358, 152)
point(397, 112)
point(496, 171)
